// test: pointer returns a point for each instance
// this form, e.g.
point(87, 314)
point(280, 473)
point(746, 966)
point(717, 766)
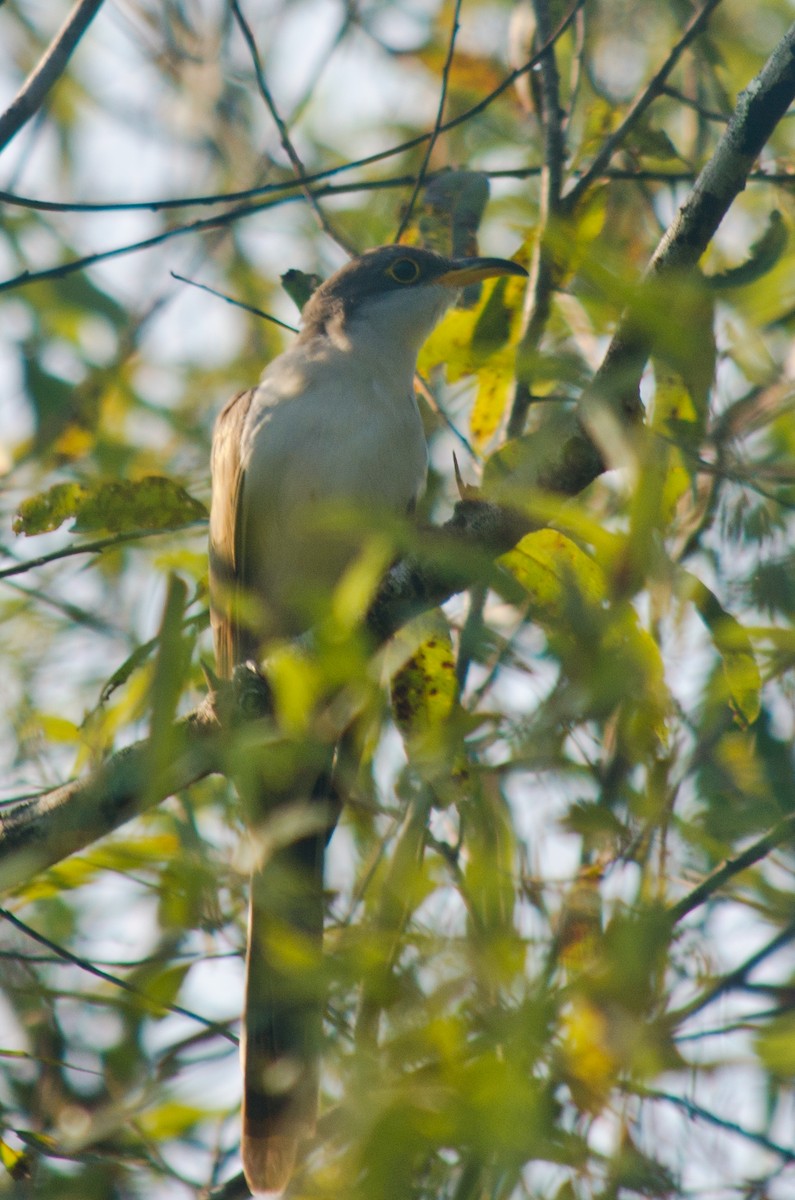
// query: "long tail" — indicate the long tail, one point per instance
point(282, 1020)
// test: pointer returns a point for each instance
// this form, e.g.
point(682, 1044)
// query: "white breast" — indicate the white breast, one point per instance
point(329, 433)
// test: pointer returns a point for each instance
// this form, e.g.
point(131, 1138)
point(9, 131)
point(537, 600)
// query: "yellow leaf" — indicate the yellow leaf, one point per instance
point(591, 1065)
point(425, 690)
point(449, 345)
point(489, 406)
point(740, 670)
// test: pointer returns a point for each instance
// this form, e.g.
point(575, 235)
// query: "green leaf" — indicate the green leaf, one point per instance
point(157, 987)
point(153, 502)
point(741, 673)
point(762, 256)
point(775, 1046)
point(171, 1120)
point(49, 510)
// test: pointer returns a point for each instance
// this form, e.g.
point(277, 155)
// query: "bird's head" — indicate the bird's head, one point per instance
point(394, 294)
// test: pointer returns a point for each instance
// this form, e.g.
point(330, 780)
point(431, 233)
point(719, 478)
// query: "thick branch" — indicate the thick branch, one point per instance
point(33, 92)
point(37, 833)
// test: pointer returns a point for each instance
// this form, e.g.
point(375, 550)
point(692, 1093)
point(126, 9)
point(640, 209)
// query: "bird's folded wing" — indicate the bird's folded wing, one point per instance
point(226, 578)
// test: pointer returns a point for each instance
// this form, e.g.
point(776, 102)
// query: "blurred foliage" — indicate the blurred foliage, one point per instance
point(530, 995)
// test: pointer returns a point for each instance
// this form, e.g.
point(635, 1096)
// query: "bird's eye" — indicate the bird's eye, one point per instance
point(404, 270)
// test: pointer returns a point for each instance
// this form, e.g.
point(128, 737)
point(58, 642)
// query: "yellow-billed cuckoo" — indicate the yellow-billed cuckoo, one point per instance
point(333, 421)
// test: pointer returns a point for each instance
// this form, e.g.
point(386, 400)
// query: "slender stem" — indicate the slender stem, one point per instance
point(48, 71)
point(284, 136)
point(421, 174)
point(637, 108)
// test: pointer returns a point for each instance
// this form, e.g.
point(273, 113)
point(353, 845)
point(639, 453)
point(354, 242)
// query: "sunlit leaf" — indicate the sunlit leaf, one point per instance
point(547, 563)
point(425, 690)
point(17, 1162)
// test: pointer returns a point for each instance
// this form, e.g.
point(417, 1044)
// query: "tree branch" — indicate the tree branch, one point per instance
point(39, 832)
point(51, 66)
point(284, 136)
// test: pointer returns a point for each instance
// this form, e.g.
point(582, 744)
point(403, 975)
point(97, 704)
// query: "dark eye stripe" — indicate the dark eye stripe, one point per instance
point(404, 270)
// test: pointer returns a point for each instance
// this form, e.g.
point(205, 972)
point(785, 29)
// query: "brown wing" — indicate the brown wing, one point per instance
point(226, 579)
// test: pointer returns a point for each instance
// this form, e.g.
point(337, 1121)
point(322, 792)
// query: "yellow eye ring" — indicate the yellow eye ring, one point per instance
point(404, 270)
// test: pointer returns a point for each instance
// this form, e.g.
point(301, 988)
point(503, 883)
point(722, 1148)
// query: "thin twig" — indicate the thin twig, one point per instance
point(73, 612)
point(638, 107)
point(257, 312)
point(284, 136)
point(421, 175)
point(199, 226)
point(48, 70)
point(704, 1114)
point(733, 979)
point(95, 547)
point(84, 965)
point(629, 174)
point(783, 832)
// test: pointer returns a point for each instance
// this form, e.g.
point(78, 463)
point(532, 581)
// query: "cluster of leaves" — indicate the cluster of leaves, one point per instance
point(564, 858)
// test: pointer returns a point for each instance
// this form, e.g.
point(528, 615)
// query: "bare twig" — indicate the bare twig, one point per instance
point(630, 174)
point(783, 832)
point(700, 1113)
point(257, 312)
point(48, 71)
point(201, 225)
point(95, 547)
point(67, 956)
point(284, 136)
point(638, 107)
point(733, 979)
point(421, 174)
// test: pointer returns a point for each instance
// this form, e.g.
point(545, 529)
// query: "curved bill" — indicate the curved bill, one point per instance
point(464, 271)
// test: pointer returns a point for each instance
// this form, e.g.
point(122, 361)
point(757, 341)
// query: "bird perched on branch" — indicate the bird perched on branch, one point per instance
point(333, 421)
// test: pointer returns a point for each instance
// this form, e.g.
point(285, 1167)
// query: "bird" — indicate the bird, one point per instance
point(333, 422)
